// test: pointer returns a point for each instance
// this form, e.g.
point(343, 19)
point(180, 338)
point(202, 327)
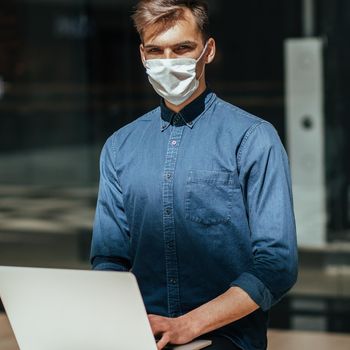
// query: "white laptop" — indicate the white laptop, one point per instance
point(55, 309)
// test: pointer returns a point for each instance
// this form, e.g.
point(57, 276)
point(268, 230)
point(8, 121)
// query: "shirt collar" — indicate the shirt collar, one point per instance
point(189, 115)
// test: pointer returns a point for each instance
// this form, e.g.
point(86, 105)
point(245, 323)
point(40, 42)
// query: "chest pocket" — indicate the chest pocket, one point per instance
point(209, 196)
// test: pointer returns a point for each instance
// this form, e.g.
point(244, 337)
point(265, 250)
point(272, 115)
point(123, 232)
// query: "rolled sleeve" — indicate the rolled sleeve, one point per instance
point(111, 238)
point(265, 180)
point(255, 288)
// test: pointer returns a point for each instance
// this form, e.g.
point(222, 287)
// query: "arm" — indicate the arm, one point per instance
point(230, 306)
point(110, 241)
point(265, 182)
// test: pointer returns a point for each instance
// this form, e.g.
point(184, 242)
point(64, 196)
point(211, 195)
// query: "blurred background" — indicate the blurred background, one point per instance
point(70, 75)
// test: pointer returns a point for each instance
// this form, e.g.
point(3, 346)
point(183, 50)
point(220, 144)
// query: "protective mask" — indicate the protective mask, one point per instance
point(174, 78)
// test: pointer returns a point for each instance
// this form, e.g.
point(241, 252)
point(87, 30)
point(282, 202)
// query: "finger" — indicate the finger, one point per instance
point(158, 327)
point(158, 322)
point(163, 341)
point(156, 317)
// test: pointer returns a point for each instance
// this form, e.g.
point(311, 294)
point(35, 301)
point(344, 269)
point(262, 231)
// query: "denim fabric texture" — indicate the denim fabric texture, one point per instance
point(197, 202)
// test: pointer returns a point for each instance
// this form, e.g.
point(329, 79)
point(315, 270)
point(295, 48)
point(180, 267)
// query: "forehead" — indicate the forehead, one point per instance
point(185, 29)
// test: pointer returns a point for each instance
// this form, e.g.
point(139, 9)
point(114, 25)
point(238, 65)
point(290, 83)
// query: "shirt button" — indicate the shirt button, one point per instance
point(173, 281)
point(173, 142)
point(190, 123)
point(167, 211)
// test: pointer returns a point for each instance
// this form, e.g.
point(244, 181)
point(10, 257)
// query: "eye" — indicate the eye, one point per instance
point(183, 48)
point(153, 50)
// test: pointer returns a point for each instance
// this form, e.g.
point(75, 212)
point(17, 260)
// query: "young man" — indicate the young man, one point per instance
point(195, 196)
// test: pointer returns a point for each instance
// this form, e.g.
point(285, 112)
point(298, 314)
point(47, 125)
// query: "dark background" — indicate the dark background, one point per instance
point(74, 76)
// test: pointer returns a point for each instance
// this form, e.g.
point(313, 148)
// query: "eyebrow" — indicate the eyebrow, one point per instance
point(187, 42)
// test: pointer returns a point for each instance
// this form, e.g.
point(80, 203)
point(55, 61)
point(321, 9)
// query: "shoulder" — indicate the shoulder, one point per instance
point(133, 129)
point(246, 124)
point(234, 114)
point(255, 133)
point(138, 124)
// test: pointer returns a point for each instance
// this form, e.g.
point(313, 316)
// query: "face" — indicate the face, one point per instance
point(184, 39)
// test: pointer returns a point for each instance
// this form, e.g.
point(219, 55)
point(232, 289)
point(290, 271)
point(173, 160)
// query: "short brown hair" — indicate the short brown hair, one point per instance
point(167, 12)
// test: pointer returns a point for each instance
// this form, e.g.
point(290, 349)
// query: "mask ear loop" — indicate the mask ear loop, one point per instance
point(203, 52)
point(200, 57)
point(143, 59)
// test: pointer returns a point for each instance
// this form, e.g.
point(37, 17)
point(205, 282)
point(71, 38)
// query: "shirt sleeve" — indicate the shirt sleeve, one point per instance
point(265, 181)
point(110, 240)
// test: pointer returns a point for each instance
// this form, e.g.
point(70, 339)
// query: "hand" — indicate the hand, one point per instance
point(172, 330)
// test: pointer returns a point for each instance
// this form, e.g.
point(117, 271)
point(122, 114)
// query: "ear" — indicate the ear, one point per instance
point(142, 53)
point(211, 51)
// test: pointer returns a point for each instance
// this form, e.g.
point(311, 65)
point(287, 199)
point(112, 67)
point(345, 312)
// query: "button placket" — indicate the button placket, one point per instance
point(171, 262)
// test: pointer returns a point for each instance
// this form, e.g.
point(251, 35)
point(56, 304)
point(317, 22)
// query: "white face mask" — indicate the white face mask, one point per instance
point(174, 78)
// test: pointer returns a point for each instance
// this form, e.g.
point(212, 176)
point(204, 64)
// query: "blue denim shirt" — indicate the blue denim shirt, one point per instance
point(194, 203)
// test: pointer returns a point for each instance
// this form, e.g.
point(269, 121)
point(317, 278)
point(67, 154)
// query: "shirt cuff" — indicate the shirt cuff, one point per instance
point(255, 288)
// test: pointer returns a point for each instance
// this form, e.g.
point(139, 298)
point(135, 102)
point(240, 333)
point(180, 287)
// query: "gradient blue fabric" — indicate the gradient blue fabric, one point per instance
point(197, 202)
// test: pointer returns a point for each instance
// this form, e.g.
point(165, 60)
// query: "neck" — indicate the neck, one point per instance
point(201, 88)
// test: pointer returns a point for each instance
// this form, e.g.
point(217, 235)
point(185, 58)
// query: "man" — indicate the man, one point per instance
point(195, 196)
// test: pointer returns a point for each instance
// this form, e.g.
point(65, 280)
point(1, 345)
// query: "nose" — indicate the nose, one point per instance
point(168, 53)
